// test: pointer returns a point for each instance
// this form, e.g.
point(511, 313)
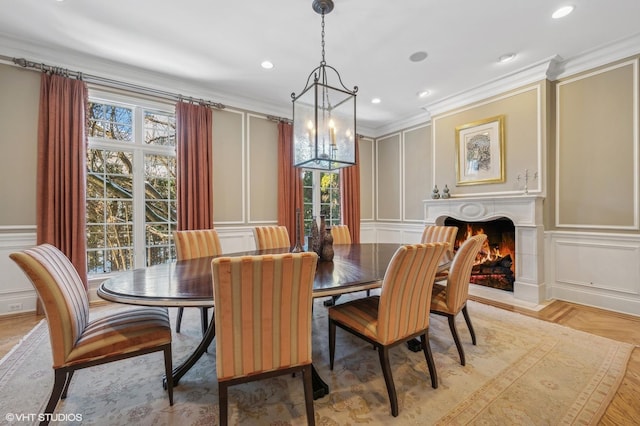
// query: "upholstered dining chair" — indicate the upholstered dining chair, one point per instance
point(78, 343)
point(271, 237)
point(341, 234)
point(190, 245)
point(450, 299)
point(440, 233)
point(399, 314)
point(263, 320)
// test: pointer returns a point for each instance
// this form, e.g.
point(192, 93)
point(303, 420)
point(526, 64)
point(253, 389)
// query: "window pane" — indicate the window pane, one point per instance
point(119, 211)
point(120, 259)
point(159, 129)
point(110, 122)
point(160, 208)
point(95, 262)
point(330, 197)
point(325, 201)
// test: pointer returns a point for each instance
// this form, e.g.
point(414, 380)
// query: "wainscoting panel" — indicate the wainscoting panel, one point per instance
point(595, 269)
point(16, 292)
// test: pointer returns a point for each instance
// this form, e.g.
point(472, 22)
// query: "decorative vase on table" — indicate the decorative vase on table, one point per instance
point(297, 248)
point(327, 246)
point(314, 239)
point(321, 232)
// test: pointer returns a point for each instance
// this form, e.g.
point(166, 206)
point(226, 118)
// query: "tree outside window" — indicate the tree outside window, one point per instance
point(321, 196)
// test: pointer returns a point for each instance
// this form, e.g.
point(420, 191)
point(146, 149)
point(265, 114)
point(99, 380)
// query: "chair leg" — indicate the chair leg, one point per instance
point(383, 353)
point(179, 319)
point(469, 326)
point(168, 371)
point(426, 348)
point(454, 332)
point(223, 402)
point(308, 395)
point(66, 385)
point(332, 342)
point(60, 379)
point(204, 319)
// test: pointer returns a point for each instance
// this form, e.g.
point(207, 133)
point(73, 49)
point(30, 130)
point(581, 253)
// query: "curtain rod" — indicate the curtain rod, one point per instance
point(279, 119)
point(115, 84)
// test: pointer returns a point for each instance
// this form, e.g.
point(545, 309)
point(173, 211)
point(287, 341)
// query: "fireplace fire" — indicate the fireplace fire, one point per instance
point(495, 264)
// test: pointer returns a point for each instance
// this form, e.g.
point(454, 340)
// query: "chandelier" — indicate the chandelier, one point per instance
point(324, 115)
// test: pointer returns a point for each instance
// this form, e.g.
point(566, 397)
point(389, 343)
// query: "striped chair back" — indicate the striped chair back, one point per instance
point(341, 234)
point(196, 243)
point(405, 297)
point(61, 293)
point(457, 289)
point(263, 318)
point(439, 233)
point(271, 237)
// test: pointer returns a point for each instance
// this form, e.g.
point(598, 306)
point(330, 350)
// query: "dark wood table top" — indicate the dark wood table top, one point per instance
point(354, 267)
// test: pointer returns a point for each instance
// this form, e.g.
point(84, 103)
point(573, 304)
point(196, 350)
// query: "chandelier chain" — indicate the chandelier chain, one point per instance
point(323, 62)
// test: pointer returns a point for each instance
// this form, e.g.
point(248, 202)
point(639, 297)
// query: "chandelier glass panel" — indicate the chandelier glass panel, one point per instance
point(324, 115)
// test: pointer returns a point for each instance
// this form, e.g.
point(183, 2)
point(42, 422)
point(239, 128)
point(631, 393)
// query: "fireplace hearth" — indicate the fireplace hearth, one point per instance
point(495, 264)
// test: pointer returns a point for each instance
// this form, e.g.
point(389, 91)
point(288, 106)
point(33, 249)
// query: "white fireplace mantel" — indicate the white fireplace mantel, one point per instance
point(526, 213)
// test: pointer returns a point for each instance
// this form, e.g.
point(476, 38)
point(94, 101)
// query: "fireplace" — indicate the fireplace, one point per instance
point(525, 212)
point(495, 264)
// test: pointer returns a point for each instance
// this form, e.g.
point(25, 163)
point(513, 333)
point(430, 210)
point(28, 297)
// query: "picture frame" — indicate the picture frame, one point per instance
point(480, 152)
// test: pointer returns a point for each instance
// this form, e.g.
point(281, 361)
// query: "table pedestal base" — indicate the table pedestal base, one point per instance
point(320, 388)
point(414, 345)
point(186, 365)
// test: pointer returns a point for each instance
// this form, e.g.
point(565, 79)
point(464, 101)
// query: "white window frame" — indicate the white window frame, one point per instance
point(139, 149)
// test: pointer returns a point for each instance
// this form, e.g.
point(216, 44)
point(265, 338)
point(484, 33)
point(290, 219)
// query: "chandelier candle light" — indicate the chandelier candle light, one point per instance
point(324, 116)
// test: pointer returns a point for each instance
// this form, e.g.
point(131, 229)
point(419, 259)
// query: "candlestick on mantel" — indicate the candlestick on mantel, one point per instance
point(526, 177)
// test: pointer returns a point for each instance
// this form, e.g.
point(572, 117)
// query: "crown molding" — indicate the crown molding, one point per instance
point(601, 55)
point(551, 68)
point(545, 69)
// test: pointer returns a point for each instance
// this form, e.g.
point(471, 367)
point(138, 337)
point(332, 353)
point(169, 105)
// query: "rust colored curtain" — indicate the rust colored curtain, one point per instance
point(62, 151)
point(350, 197)
point(289, 184)
point(194, 157)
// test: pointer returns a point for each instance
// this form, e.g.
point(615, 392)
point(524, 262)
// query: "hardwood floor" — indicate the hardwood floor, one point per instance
point(623, 410)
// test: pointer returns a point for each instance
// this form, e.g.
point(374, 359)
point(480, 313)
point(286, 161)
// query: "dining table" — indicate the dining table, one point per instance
point(188, 283)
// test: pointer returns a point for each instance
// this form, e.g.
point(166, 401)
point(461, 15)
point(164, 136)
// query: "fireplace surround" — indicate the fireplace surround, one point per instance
point(525, 211)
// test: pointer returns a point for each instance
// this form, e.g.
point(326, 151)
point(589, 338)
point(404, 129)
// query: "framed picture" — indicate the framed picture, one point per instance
point(480, 151)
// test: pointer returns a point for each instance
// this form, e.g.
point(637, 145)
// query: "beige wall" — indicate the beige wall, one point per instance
point(597, 155)
point(416, 182)
point(19, 95)
point(523, 141)
point(579, 134)
point(581, 130)
point(263, 169)
point(366, 148)
point(228, 167)
point(388, 170)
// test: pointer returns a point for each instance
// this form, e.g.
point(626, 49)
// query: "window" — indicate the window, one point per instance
point(321, 192)
point(131, 185)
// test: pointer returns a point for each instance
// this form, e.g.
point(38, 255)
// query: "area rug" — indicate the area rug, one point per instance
point(522, 371)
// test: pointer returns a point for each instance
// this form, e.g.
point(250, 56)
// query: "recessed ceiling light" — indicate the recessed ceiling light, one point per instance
point(376, 100)
point(562, 12)
point(418, 56)
point(267, 65)
point(424, 93)
point(507, 58)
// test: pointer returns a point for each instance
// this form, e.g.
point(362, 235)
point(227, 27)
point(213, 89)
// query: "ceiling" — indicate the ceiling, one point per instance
point(213, 49)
